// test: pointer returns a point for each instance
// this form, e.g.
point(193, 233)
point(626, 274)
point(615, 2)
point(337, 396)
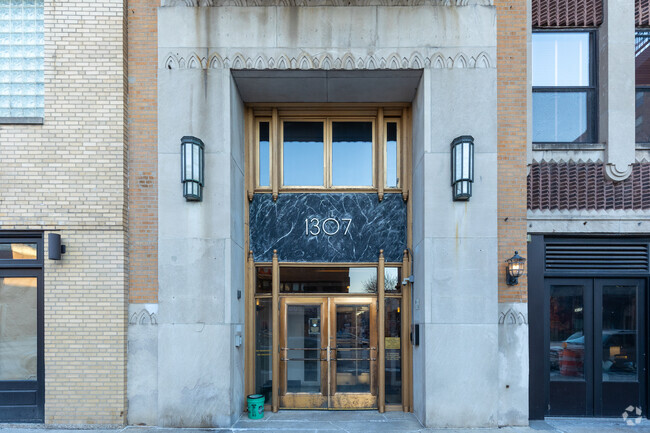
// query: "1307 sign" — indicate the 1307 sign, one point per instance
point(329, 226)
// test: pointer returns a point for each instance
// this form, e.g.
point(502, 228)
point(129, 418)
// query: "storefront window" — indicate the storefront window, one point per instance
point(18, 251)
point(393, 351)
point(263, 345)
point(328, 280)
point(18, 337)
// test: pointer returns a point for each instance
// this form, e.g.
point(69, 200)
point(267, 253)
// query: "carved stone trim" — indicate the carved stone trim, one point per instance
point(321, 3)
point(143, 317)
point(325, 61)
point(512, 317)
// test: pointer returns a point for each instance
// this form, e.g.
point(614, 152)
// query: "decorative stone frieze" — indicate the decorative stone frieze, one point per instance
point(302, 60)
point(320, 3)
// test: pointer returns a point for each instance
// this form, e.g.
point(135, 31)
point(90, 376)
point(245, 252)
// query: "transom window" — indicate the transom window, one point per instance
point(564, 92)
point(326, 150)
point(642, 81)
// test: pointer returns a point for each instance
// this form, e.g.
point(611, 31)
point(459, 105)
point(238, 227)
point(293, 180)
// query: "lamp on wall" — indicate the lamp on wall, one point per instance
point(192, 167)
point(462, 167)
point(515, 269)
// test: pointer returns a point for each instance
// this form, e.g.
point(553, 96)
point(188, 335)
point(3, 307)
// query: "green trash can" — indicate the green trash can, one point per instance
point(255, 406)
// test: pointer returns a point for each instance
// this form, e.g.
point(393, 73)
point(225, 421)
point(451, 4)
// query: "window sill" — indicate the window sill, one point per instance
point(642, 146)
point(568, 146)
point(21, 120)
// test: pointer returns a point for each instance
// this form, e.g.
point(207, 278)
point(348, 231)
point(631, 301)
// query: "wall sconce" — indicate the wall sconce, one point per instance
point(462, 167)
point(192, 166)
point(515, 269)
point(54, 247)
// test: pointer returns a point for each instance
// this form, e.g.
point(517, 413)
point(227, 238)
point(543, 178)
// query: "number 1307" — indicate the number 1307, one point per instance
point(329, 226)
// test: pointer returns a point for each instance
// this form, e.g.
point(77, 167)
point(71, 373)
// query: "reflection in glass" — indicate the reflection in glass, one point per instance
point(263, 279)
point(567, 340)
point(642, 129)
point(392, 280)
point(18, 251)
point(328, 280)
point(18, 344)
point(393, 351)
point(392, 179)
point(263, 345)
point(303, 348)
point(352, 348)
point(619, 333)
point(560, 117)
point(560, 59)
point(642, 57)
point(352, 153)
point(302, 154)
point(264, 155)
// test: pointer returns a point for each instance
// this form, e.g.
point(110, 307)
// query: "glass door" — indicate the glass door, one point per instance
point(353, 347)
point(596, 346)
point(328, 353)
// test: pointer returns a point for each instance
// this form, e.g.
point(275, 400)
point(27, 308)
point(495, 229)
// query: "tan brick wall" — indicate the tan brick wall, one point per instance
point(512, 91)
point(143, 154)
point(69, 174)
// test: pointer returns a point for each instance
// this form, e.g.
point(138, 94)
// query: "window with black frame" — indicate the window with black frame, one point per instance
point(642, 81)
point(564, 87)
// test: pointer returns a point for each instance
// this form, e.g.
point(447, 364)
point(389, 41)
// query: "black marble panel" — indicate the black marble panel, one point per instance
point(327, 227)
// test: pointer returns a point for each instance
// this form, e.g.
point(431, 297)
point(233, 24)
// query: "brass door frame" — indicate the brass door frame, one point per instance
point(353, 400)
point(329, 398)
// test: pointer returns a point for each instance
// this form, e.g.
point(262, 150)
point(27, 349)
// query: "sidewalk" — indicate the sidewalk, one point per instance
point(359, 421)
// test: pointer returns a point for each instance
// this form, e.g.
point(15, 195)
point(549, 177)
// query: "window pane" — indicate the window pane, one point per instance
point(303, 353)
point(393, 280)
point(264, 155)
point(393, 351)
point(619, 333)
point(642, 130)
point(561, 59)
point(392, 176)
point(18, 346)
point(567, 340)
point(263, 345)
point(303, 154)
point(17, 251)
point(353, 350)
point(263, 279)
point(642, 58)
point(560, 117)
point(328, 280)
point(352, 153)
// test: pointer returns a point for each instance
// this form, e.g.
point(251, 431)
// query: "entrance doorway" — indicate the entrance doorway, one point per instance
point(595, 345)
point(328, 353)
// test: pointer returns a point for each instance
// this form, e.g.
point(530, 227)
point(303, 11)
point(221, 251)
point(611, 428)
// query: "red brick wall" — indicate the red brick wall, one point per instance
point(512, 91)
point(143, 141)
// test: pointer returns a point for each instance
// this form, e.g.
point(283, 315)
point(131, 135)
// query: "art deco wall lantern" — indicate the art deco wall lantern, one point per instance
point(515, 269)
point(192, 167)
point(462, 167)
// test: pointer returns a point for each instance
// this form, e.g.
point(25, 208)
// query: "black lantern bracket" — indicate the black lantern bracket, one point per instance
point(192, 168)
point(514, 269)
point(462, 167)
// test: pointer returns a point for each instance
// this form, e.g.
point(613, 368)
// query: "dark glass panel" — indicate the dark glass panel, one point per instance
point(642, 130)
point(561, 117)
point(393, 351)
point(18, 315)
point(264, 155)
point(263, 279)
point(567, 339)
point(263, 345)
point(328, 280)
point(352, 153)
point(303, 348)
point(392, 280)
point(352, 348)
point(18, 251)
point(619, 334)
point(642, 57)
point(302, 154)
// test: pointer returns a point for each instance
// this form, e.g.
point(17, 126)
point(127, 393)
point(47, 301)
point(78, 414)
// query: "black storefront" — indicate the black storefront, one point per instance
point(588, 325)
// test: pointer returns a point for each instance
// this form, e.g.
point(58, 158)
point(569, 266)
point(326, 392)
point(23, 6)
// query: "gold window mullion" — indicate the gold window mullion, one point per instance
point(380, 145)
point(276, 157)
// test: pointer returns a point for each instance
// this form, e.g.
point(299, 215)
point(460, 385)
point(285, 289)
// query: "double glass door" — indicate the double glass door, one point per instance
point(595, 346)
point(328, 352)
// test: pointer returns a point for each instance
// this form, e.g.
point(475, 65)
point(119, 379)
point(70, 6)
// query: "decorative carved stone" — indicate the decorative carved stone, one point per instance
point(512, 317)
point(143, 317)
point(321, 3)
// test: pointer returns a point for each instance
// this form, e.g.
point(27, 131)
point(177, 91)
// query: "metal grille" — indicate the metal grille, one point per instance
point(597, 256)
point(642, 13)
point(567, 13)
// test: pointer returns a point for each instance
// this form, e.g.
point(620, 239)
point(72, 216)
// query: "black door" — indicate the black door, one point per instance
point(22, 373)
point(595, 346)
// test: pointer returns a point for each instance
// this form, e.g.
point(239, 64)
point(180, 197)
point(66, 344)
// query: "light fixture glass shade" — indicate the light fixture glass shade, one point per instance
point(192, 167)
point(516, 267)
point(462, 167)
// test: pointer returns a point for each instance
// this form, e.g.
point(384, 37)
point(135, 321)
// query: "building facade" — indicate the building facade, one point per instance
point(325, 257)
